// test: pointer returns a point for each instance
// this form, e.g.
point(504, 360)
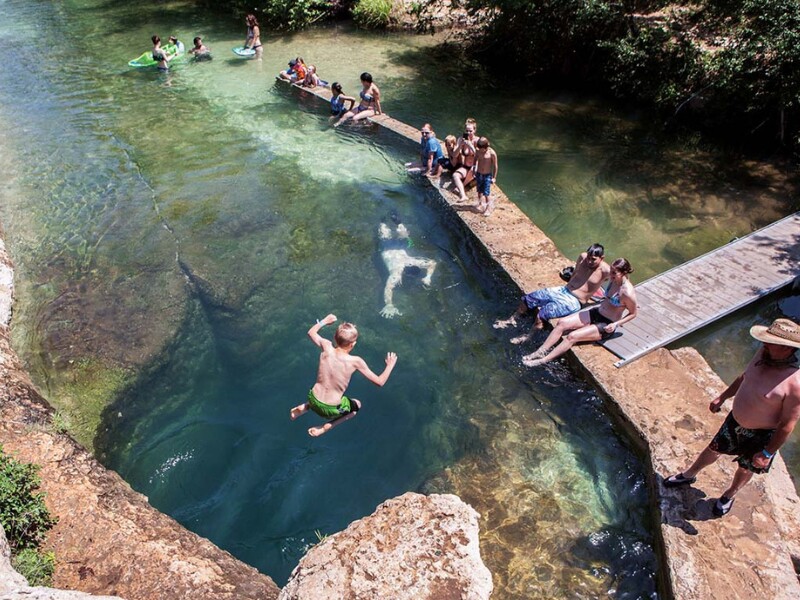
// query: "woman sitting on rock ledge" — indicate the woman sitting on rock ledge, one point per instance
point(598, 323)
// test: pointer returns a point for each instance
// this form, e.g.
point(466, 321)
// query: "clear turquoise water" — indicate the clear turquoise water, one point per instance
point(191, 227)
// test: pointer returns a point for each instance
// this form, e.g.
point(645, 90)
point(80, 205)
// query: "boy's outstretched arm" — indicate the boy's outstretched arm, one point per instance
point(379, 380)
point(313, 333)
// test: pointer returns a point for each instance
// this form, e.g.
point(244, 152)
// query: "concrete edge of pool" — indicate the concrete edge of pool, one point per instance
point(661, 402)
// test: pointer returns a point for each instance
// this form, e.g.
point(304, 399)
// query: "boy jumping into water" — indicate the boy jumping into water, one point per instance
point(336, 367)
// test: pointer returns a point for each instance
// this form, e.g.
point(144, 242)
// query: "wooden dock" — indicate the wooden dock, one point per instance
point(698, 292)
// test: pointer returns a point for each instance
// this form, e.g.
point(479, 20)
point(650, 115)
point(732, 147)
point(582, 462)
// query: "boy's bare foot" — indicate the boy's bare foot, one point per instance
point(520, 339)
point(462, 198)
point(297, 411)
point(318, 431)
point(489, 209)
point(503, 323)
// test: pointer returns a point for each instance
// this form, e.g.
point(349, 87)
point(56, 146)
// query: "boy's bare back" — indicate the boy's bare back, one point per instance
point(337, 365)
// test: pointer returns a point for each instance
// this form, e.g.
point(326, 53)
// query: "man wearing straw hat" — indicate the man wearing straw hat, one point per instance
point(766, 407)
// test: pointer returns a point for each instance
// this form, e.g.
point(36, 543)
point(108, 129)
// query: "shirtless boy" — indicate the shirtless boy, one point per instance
point(485, 175)
point(336, 367)
point(766, 407)
point(548, 303)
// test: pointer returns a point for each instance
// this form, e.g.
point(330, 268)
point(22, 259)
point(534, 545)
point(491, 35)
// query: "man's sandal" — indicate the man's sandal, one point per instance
point(722, 506)
point(679, 479)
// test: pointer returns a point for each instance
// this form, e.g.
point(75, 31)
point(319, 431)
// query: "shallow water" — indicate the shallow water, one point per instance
point(175, 236)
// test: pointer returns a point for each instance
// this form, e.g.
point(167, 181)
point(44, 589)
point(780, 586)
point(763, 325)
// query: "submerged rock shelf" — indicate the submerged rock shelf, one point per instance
point(108, 539)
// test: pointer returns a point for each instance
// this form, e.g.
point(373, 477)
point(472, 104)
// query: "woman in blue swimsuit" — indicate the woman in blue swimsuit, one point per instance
point(370, 104)
point(597, 323)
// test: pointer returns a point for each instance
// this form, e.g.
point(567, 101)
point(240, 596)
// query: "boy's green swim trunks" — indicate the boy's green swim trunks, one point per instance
point(327, 411)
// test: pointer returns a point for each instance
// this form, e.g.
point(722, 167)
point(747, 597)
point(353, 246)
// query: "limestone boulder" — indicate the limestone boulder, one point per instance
point(413, 547)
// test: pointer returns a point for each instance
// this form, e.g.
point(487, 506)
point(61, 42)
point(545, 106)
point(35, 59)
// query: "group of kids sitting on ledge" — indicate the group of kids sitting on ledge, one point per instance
point(467, 158)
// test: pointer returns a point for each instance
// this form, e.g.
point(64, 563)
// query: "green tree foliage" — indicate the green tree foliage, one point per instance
point(23, 514)
point(558, 38)
point(372, 14)
point(284, 15)
point(35, 566)
point(730, 65)
point(757, 72)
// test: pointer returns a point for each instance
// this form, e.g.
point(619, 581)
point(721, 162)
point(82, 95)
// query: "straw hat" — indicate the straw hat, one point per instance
point(782, 331)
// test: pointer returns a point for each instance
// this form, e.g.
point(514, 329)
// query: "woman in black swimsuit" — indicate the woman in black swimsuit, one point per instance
point(160, 55)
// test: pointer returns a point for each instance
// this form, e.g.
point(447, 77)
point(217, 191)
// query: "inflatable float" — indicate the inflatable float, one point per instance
point(146, 59)
point(244, 52)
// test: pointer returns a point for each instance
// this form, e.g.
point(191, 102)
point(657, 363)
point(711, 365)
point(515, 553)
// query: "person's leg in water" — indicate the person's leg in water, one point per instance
point(364, 114)
point(581, 331)
point(348, 115)
point(318, 431)
point(522, 309)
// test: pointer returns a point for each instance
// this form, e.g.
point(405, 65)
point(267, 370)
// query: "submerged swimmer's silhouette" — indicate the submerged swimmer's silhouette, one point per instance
point(394, 252)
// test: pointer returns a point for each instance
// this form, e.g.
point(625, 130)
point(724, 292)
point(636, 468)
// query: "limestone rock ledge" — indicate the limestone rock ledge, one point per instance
point(412, 547)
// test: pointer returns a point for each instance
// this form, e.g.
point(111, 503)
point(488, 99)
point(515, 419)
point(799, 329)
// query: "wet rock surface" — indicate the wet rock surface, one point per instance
point(413, 547)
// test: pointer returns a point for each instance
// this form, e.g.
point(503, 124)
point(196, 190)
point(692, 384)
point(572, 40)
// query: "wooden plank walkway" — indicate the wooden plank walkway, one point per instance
point(698, 292)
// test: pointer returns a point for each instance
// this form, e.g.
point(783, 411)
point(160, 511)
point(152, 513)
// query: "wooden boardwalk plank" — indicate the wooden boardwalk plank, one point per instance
point(691, 295)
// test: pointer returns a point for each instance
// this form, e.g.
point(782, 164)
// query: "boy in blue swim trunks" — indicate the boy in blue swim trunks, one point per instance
point(485, 174)
point(336, 367)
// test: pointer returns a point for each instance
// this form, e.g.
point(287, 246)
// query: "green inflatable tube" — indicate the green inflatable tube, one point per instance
point(146, 59)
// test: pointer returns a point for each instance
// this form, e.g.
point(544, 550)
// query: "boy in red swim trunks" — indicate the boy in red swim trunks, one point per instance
point(336, 367)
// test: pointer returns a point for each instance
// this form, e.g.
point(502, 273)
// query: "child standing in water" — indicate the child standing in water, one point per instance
point(336, 367)
point(486, 173)
point(200, 50)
